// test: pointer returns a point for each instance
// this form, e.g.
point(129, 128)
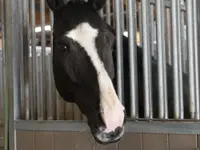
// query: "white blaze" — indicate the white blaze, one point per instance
point(112, 111)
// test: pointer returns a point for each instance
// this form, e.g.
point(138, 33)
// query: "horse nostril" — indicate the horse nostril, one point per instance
point(118, 130)
point(111, 137)
point(115, 133)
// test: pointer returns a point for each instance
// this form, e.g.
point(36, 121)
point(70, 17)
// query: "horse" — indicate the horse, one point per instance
point(84, 69)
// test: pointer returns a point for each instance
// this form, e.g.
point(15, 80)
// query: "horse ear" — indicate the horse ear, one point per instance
point(53, 4)
point(97, 4)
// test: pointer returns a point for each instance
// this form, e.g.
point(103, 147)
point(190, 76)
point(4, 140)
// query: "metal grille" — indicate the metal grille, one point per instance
point(161, 28)
point(164, 29)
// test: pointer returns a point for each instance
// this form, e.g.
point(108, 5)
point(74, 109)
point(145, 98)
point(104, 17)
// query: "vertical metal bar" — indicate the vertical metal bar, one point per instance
point(1, 64)
point(133, 58)
point(122, 16)
point(120, 84)
point(153, 32)
point(51, 70)
point(50, 96)
point(13, 45)
point(26, 58)
point(181, 105)
point(113, 13)
point(21, 68)
point(30, 74)
point(1, 87)
point(33, 63)
point(5, 78)
point(168, 18)
point(165, 62)
point(175, 60)
point(69, 111)
point(191, 56)
point(161, 59)
point(76, 113)
point(43, 52)
point(127, 18)
point(140, 23)
point(196, 54)
point(198, 26)
point(184, 43)
point(108, 12)
point(39, 75)
point(60, 105)
point(38, 64)
point(21, 61)
point(146, 60)
point(49, 87)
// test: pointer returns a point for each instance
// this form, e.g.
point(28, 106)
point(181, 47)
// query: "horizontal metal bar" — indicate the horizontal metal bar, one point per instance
point(173, 127)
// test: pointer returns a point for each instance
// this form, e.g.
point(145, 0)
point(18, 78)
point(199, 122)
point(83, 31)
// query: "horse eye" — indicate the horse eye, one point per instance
point(62, 47)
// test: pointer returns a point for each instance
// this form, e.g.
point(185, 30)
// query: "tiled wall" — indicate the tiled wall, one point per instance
point(84, 141)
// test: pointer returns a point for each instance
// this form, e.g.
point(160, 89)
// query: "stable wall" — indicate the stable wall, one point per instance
point(84, 141)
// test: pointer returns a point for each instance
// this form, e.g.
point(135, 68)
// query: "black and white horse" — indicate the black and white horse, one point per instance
point(85, 72)
point(83, 66)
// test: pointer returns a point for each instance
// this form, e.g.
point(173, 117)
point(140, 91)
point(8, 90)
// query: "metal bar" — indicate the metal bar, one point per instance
point(181, 105)
point(133, 58)
point(196, 57)
point(1, 65)
point(69, 111)
point(153, 32)
point(113, 14)
point(43, 75)
point(53, 95)
point(52, 77)
point(171, 127)
point(161, 60)
point(198, 23)
point(39, 74)
point(127, 18)
point(140, 23)
point(146, 60)
point(30, 74)
point(120, 69)
point(26, 58)
point(175, 60)
point(198, 27)
point(108, 12)
point(168, 19)
point(76, 111)
point(50, 104)
point(167, 3)
point(1, 88)
point(59, 107)
point(191, 56)
point(21, 61)
point(184, 43)
point(122, 16)
point(5, 85)
point(13, 45)
point(33, 63)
